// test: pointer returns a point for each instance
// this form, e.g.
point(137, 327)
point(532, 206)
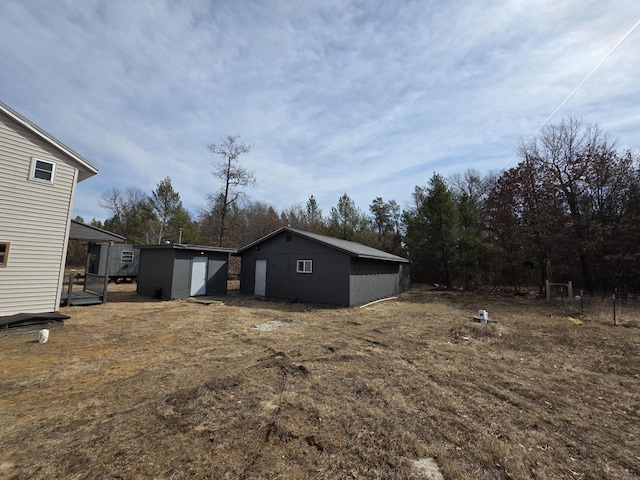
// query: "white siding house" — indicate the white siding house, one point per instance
point(37, 186)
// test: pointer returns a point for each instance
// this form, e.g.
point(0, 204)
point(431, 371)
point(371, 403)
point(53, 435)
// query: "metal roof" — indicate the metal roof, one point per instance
point(182, 246)
point(352, 248)
point(87, 170)
point(82, 231)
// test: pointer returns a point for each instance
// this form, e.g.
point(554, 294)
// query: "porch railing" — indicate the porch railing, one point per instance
point(95, 284)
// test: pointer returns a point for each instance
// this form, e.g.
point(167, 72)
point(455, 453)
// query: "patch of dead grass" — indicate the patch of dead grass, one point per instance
point(139, 388)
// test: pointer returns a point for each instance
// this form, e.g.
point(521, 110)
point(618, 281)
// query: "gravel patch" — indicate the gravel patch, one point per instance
point(428, 468)
point(270, 325)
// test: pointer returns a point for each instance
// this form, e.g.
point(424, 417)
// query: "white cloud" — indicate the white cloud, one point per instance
point(335, 96)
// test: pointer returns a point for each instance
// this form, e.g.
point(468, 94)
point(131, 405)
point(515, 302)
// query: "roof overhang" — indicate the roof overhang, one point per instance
point(351, 248)
point(183, 246)
point(87, 233)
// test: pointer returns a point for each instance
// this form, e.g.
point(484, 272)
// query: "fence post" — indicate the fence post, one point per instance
point(106, 274)
point(547, 287)
point(570, 291)
point(70, 287)
point(614, 309)
point(581, 302)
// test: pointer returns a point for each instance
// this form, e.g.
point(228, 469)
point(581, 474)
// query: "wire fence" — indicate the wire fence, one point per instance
point(614, 309)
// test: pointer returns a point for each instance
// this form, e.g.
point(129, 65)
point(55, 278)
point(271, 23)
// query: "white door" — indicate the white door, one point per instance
point(199, 276)
point(260, 286)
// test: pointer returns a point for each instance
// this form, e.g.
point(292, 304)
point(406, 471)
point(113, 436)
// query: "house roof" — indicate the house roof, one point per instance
point(87, 169)
point(181, 246)
point(82, 231)
point(352, 248)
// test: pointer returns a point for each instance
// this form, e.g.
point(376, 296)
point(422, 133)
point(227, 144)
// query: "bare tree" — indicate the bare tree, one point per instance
point(294, 217)
point(571, 154)
point(474, 184)
point(232, 175)
point(258, 220)
point(113, 201)
point(130, 213)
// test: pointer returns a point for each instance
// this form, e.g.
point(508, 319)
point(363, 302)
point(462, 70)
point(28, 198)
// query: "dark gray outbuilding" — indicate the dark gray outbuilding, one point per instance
point(295, 265)
point(173, 271)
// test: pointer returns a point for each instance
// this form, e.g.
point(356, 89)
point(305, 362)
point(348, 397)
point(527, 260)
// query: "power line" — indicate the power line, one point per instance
point(604, 59)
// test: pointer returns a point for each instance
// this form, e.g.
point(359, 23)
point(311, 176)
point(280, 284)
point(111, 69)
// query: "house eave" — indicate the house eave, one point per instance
point(87, 168)
point(382, 259)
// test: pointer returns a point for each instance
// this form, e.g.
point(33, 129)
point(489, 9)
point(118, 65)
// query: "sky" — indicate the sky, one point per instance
point(368, 98)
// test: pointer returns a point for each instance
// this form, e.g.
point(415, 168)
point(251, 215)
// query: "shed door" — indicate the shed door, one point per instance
point(260, 286)
point(199, 276)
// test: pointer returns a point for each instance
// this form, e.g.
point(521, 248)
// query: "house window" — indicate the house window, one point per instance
point(126, 256)
point(303, 266)
point(42, 170)
point(4, 253)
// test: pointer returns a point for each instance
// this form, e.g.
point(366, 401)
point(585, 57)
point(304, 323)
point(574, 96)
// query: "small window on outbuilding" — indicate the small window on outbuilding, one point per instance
point(126, 256)
point(42, 170)
point(4, 253)
point(304, 266)
point(288, 238)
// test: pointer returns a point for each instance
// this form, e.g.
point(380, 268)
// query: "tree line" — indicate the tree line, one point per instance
point(569, 210)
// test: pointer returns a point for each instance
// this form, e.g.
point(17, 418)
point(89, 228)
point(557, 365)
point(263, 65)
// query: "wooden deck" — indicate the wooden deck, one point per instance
point(80, 297)
point(92, 293)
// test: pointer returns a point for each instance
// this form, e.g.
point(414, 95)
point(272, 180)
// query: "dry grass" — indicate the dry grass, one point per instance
point(139, 388)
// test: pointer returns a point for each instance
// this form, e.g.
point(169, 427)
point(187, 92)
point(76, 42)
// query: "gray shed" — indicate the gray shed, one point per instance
point(301, 266)
point(124, 261)
point(94, 290)
point(173, 271)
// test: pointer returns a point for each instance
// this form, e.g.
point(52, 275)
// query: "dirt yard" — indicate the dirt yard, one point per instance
point(141, 389)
